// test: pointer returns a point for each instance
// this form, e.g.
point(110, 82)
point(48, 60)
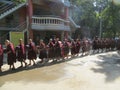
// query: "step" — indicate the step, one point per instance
point(11, 10)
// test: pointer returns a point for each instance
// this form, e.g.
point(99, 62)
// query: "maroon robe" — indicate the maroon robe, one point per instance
point(77, 47)
point(11, 56)
point(95, 44)
point(51, 50)
point(118, 44)
point(73, 48)
point(84, 45)
point(43, 52)
point(112, 44)
point(58, 49)
point(66, 48)
point(101, 44)
point(21, 52)
point(1, 55)
point(32, 51)
point(107, 44)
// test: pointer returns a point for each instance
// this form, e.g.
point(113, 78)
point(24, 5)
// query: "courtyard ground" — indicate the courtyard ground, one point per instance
point(93, 72)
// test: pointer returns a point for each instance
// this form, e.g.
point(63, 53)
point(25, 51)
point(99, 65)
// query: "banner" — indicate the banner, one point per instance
point(15, 36)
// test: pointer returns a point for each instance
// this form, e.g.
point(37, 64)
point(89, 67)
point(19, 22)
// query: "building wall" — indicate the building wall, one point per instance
point(19, 16)
point(11, 22)
point(14, 19)
point(22, 15)
point(41, 8)
point(53, 8)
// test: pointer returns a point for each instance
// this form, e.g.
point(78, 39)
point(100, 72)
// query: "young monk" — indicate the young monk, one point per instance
point(42, 51)
point(31, 52)
point(21, 53)
point(11, 56)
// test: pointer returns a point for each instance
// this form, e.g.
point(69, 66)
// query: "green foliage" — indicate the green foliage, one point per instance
point(94, 11)
point(111, 19)
point(19, 1)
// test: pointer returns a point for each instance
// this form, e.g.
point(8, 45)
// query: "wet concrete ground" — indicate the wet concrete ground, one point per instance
point(95, 72)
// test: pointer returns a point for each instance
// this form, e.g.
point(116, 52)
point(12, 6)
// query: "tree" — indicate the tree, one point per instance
point(111, 20)
point(97, 12)
point(89, 16)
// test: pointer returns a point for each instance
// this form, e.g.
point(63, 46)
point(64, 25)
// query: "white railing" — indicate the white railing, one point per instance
point(56, 0)
point(39, 1)
point(50, 23)
point(64, 2)
point(48, 20)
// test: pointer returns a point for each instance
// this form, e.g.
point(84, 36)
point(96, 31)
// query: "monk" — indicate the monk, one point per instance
point(58, 46)
point(31, 52)
point(77, 46)
point(65, 50)
point(1, 57)
point(73, 48)
point(51, 51)
point(21, 53)
point(11, 56)
point(42, 51)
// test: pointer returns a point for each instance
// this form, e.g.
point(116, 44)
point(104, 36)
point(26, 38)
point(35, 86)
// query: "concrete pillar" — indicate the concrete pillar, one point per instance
point(66, 12)
point(30, 14)
point(30, 10)
point(66, 15)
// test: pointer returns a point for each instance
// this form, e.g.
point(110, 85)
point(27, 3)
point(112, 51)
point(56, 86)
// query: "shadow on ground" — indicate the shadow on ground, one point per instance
point(38, 72)
point(109, 66)
point(38, 65)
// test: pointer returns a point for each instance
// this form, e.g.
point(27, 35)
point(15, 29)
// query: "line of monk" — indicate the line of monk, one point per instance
point(55, 50)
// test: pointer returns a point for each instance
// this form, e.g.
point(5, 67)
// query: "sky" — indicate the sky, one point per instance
point(117, 1)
